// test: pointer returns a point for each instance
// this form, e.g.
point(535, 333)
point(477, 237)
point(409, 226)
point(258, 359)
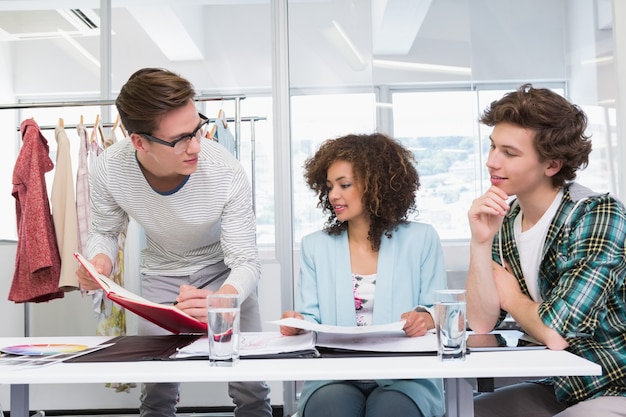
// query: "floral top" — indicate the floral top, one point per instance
point(364, 287)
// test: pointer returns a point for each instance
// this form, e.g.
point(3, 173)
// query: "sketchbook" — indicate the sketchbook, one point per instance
point(166, 316)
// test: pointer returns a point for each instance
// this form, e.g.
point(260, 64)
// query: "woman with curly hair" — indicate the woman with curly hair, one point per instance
point(369, 265)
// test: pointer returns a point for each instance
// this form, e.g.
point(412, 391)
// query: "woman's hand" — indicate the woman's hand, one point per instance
point(417, 323)
point(291, 331)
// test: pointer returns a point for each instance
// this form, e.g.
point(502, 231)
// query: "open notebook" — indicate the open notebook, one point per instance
point(166, 316)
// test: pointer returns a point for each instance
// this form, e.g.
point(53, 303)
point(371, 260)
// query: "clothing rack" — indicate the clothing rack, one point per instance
point(87, 125)
point(237, 119)
point(98, 102)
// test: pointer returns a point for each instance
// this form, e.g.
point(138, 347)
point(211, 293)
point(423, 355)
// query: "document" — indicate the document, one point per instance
point(27, 356)
point(166, 316)
point(391, 342)
point(325, 328)
point(259, 345)
point(383, 338)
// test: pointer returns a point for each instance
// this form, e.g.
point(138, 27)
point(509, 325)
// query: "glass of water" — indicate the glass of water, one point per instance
point(223, 328)
point(450, 324)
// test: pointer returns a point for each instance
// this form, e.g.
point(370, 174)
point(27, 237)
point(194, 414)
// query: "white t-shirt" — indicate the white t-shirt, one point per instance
point(530, 246)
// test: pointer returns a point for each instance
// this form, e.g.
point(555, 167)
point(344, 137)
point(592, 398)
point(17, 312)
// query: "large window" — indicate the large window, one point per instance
point(434, 67)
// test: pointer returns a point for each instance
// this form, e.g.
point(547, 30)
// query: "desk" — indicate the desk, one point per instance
point(529, 363)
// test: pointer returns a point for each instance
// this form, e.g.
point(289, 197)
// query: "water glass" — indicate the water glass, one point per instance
point(223, 328)
point(450, 324)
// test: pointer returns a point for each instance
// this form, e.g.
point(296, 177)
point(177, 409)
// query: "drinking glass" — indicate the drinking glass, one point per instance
point(223, 328)
point(450, 324)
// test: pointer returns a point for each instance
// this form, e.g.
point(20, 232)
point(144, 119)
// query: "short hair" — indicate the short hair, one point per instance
point(386, 170)
point(149, 94)
point(559, 126)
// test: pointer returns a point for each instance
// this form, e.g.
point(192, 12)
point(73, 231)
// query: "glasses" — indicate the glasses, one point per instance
point(181, 144)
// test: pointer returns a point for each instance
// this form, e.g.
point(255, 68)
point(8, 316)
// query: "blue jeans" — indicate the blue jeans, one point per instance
point(359, 399)
point(251, 399)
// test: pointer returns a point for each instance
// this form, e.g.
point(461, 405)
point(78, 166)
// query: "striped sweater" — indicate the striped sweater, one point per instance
point(208, 218)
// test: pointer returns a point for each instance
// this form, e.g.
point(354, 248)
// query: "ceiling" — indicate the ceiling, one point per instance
point(176, 27)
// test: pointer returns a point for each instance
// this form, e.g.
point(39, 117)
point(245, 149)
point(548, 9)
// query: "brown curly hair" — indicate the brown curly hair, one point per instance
point(559, 126)
point(386, 170)
point(148, 95)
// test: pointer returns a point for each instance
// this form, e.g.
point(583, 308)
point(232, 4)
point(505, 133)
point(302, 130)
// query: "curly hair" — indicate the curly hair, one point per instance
point(559, 126)
point(386, 170)
point(147, 95)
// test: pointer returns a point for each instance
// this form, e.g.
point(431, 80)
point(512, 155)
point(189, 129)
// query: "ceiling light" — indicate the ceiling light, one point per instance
point(414, 66)
point(598, 60)
point(340, 40)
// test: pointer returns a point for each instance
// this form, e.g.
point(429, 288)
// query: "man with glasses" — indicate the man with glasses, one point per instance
point(194, 202)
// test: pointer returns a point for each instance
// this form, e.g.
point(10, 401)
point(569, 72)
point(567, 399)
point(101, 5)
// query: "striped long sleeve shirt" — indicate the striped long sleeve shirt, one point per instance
point(207, 219)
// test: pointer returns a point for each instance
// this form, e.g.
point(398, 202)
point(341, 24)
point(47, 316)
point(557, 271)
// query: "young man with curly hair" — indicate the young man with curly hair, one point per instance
point(370, 265)
point(553, 257)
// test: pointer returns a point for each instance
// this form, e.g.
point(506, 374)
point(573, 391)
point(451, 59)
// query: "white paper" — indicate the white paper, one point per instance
point(325, 328)
point(255, 343)
point(396, 341)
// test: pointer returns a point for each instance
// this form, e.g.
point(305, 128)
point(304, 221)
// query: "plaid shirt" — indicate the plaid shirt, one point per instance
point(581, 280)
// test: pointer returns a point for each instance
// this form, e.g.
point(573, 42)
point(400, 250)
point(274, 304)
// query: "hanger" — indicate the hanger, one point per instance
point(92, 137)
point(61, 122)
point(124, 131)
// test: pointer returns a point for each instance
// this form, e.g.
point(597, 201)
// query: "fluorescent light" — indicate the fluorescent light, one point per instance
point(414, 66)
point(340, 40)
point(598, 60)
point(80, 48)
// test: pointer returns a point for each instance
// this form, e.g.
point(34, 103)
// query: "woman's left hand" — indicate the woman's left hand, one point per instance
point(417, 323)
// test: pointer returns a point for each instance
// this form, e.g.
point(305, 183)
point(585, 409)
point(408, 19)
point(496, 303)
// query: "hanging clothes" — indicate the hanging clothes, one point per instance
point(82, 188)
point(111, 317)
point(37, 262)
point(64, 211)
point(222, 134)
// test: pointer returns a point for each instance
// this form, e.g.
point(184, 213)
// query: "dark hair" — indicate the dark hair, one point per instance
point(384, 168)
point(559, 126)
point(147, 95)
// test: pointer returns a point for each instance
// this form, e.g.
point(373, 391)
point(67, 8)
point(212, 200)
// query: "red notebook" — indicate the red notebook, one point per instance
point(166, 316)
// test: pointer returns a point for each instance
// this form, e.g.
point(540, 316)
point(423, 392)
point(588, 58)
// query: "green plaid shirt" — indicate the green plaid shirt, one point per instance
point(581, 280)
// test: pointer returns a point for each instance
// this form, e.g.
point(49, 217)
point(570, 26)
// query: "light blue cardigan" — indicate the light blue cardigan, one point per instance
point(410, 269)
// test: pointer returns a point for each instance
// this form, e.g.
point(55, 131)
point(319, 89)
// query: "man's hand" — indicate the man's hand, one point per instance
point(192, 300)
point(486, 214)
point(103, 265)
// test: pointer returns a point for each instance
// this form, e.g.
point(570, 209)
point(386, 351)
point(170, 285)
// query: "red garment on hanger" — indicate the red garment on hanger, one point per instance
point(37, 262)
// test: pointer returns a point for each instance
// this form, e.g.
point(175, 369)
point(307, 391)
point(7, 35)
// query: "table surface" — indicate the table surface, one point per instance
point(520, 363)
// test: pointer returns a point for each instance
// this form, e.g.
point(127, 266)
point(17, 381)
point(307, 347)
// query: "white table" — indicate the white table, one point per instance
point(530, 363)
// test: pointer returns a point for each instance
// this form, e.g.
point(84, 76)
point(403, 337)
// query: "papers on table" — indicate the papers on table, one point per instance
point(325, 328)
point(379, 342)
point(46, 357)
point(256, 344)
